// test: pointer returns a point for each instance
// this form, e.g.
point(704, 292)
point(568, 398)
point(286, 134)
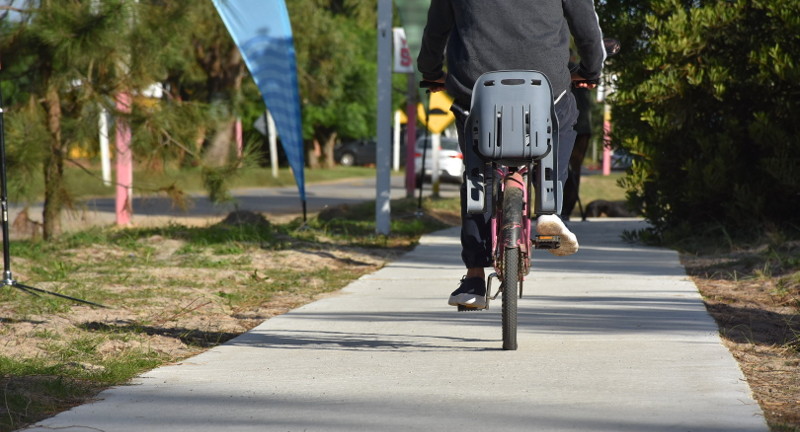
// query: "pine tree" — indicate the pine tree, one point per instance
point(71, 58)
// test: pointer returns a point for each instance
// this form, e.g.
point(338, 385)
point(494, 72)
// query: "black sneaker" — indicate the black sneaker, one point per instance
point(471, 293)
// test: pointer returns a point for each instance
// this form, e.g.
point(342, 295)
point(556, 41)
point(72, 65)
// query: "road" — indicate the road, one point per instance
point(273, 202)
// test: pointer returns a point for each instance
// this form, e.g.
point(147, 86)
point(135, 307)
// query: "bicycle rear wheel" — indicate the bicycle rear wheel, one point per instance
point(510, 284)
point(512, 227)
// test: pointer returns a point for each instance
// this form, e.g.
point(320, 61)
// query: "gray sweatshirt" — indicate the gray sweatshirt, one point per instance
point(489, 35)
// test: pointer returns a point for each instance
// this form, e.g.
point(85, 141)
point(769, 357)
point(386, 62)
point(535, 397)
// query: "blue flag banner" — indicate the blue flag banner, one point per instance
point(263, 33)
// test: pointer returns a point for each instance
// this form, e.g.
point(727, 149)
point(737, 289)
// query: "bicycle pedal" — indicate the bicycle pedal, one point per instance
point(547, 242)
point(462, 308)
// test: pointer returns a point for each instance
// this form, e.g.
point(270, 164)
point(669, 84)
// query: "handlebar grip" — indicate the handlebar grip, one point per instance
point(429, 84)
point(593, 81)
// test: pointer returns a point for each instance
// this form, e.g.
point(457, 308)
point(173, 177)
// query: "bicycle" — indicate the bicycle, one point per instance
point(511, 133)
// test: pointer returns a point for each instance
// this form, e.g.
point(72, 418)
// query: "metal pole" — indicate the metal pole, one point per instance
point(396, 142)
point(272, 136)
point(105, 152)
point(436, 143)
point(411, 134)
point(7, 277)
point(606, 139)
point(424, 154)
point(383, 152)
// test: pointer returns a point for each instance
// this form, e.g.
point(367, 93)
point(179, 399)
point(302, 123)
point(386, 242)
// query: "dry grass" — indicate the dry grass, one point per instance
point(754, 295)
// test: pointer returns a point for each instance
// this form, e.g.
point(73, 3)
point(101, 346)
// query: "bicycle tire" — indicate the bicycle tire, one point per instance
point(512, 222)
point(511, 271)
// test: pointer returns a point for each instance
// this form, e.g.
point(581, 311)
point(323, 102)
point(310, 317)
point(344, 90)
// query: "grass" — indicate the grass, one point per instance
point(86, 181)
point(594, 187)
point(752, 289)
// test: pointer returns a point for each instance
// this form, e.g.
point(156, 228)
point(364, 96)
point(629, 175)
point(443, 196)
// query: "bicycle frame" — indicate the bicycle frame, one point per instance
point(512, 235)
point(511, 136)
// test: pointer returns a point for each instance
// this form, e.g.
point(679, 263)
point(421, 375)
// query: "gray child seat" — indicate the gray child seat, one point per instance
point(512, 122)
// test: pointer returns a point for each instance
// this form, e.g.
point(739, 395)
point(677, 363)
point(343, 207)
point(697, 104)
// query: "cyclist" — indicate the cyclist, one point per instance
point(482, 36)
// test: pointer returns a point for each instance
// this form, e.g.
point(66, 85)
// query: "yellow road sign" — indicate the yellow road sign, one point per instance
point(403, 117)
point(440, 116)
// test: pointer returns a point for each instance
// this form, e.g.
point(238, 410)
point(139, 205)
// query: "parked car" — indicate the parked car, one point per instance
point(621, 159)
point(359, 153)
point(451, 160)
point(354, 153)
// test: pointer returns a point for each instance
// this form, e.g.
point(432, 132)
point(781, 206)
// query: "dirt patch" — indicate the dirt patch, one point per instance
point(174, 308)
point(168, 300)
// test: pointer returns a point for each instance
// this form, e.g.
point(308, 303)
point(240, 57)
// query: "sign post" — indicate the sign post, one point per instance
point(383, 154)
point(403, 63)
point(437, 119)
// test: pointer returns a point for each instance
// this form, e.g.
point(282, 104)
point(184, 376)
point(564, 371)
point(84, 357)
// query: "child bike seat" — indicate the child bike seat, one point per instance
point(512, 117)
point(512, 122)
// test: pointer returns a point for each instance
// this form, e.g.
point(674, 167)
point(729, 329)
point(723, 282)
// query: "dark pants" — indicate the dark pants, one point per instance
point(583, 126)
point(476, 239)
point(572, 186)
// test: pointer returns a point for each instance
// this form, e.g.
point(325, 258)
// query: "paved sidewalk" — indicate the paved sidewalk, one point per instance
point(615, 338)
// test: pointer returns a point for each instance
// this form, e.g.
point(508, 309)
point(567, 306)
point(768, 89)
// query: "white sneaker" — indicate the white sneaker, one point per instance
point(552, 225)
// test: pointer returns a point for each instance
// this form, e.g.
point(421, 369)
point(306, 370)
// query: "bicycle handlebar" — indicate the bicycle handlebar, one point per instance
point(459, 110)
point(591, 82)
point(429, 84)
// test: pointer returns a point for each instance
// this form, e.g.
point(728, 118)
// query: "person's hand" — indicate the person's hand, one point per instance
point(437, 89)
point(580, 82)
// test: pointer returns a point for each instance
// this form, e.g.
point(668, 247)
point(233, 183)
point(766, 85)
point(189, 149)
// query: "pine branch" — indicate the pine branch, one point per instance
point(14, 9)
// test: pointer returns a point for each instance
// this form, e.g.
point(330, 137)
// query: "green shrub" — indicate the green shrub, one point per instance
point(708, 99)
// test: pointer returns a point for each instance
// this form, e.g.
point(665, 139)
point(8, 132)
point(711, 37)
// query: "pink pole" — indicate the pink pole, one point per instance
point(411, 134)
point(607, 140)
point(411, 138)
point(124, 162)
point(239, 138)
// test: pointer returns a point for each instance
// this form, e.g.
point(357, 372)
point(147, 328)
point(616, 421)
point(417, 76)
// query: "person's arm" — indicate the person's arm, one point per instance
point(430, 61)
point(585, 28)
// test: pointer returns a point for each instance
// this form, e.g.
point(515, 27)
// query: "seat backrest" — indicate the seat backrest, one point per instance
point(512, 118)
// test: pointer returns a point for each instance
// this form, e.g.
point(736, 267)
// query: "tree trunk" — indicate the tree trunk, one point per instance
point(225, 71)
point(327, 150)
point(312, 154)
point(53, 167)
point(219, 148)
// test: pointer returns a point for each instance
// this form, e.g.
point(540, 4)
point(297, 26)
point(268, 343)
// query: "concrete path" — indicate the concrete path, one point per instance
point(615, 338)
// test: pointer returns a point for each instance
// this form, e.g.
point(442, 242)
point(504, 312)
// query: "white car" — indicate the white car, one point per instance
point(451, 160)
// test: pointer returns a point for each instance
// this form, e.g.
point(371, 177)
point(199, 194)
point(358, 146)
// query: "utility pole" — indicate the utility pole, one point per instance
point(384, 151)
